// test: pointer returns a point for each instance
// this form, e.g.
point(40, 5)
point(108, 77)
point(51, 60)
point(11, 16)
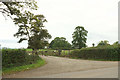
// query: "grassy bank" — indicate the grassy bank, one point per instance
point(39, 63)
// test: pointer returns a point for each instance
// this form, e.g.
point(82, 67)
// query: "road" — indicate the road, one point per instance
point(58, 67)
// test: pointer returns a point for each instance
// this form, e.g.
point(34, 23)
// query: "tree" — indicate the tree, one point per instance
point(93, 45)
point(103, 43)
point(40, 40)
point(15, 9)
point(25, 26)
point(115, 43)
point(79, 37)
point(35, 33)
point(60, 43)
point(30, 25)
point(20, 13)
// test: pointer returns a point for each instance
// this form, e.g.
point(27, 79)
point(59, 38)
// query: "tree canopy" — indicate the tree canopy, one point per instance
point(60, 43)
point(40, 40)
point(79, 37)
point(20, 13)
point(31, 26)
point(115, 43)
point(103, 43)
point(16, 9)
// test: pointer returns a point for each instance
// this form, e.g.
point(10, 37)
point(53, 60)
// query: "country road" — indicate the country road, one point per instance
point(58, 67)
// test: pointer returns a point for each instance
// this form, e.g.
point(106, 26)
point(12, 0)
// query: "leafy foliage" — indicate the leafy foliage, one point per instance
point(37, 42)
point(93, 45)
point(24, 23)
point(20, 14)
point(16, 9)
point(30, 25)
point(116, 43)
point(39, 37)
point(79, 37)
point(99, 53)
point(17, 57)
point(60, 43)
point(103, 43)
point(12, 70)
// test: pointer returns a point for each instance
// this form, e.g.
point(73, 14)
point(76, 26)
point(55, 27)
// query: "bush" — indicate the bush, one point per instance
point(17, 57)
point(101, 53)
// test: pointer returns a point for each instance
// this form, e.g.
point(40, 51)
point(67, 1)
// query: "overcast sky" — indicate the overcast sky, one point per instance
point(98, 17)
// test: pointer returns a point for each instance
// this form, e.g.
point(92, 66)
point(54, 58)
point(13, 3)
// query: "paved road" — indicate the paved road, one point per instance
point(96, 73)
point(58, 67)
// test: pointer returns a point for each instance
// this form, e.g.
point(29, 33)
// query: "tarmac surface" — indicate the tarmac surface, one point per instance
point(59, 67)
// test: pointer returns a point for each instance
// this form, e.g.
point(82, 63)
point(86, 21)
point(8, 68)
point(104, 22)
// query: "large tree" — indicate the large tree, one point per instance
point(60, 43)
point(30, 25)
point(20, 13)
point(40, 40)
point(36, 35)
point(79, 37)
point(25, 26)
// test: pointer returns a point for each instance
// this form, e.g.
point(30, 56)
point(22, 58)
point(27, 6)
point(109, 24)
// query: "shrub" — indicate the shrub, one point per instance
point(17, 57)
point(101, 53)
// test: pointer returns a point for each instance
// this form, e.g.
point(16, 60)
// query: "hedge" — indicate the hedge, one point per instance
point(101, 53)
point(17, 57)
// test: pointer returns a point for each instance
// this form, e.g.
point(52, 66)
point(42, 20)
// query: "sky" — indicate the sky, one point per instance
point(98, 17)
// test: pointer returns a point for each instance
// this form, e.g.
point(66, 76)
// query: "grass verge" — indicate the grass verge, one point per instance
point(39, 63)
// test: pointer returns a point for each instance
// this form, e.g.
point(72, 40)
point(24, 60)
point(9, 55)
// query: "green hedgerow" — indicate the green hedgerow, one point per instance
point(17, 57)
point(110, 53)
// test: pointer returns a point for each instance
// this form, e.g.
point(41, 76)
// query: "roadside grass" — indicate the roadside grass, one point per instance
point(12, 70)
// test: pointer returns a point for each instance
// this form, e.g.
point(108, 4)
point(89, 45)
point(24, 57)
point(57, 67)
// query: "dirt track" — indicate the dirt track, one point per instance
point(57, 66)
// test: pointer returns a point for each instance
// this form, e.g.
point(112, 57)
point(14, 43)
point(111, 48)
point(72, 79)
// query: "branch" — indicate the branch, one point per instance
point(11, 12)
point(6, 10)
